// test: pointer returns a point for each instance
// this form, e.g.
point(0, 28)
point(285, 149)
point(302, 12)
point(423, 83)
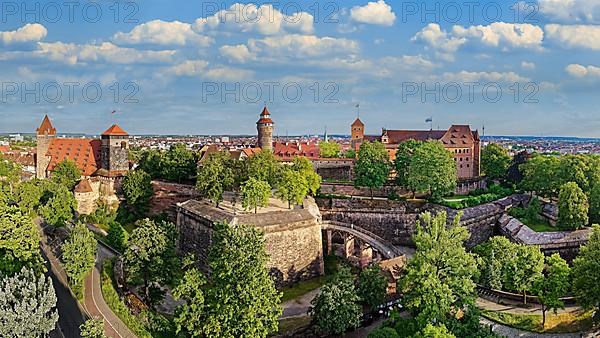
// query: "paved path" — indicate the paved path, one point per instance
point(299, 306)
point(510, 332)
point(517, 308)
point(94, 301)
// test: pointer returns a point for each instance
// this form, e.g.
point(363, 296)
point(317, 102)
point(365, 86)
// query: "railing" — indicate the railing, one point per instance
point(385, 245)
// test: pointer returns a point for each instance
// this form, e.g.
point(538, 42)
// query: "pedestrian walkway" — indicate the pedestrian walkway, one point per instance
point(94, 300)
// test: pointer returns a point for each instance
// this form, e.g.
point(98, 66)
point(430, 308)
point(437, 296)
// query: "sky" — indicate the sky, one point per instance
point(209, 67)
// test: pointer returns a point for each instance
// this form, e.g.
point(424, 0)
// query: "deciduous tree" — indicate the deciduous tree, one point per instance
point(117, 236)
point(27, 305)
point(432, 170)
point(19, 242)
point(329, 149)
point(553, 285)
point(255, 194)
point(335, 309)
point(92, 328)
point(137, 188)
point(242, 299)
point(215, 176)
point(67, 174)
point(594, 209)
point(372, 286)
point(178, 163)
point(263, 166)
point(304, 166)
point(404, 154)
point(60, 206)
point(190, 317)
point(150, 257)
point(495, 161)
point(573, 207)
point(586, 272)
point(372, 169)
point(292, 187)
point(79, 253)
point(439, 277)
point(540, 174)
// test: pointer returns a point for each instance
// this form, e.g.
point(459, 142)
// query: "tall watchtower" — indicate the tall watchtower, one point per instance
point(114, 155)
point(44, 136)
point(265, 130)
point(357, 133)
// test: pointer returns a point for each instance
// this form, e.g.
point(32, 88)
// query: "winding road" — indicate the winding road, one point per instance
point(94, 301)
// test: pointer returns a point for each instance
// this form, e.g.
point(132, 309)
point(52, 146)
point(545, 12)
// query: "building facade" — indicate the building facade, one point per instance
point(264, 127)
point(460, 140)
point(102, 162)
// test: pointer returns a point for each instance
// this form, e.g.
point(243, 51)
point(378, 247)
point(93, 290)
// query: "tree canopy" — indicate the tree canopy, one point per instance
point(404, 155)
point(92, 328)
point(263, 166)
point(215, 176)
point(189, 317)
point(573, 207)
point(540, 174)
point(292, 187)
point(303, 166)
point(137, 188)
point(586, 272)
point(27, 305)
point(372, 286)
point(495, 161)
point(335, 309)
point(553, 285)
point(242, 299)
point(255, 194)
point(439, 277)
point(150, 257)
point(372, 169)
point(176, 164)
point(432, 170)
point(329, 149)
point(67, 174)
point(60, 206)
point(79, 253)
point(19, 242)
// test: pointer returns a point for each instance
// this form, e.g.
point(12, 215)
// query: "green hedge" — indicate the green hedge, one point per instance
point(478, 197)
point(112, 299)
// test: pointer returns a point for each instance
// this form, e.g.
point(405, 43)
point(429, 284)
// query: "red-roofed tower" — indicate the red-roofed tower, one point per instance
point(44, 136)
point(115, 151)
point(265, 130)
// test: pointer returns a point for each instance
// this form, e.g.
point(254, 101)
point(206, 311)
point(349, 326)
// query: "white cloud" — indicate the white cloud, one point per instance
point(162, 33)
point(444, 45)
point(498, 35)
point(571, 10)
point(28, 33)
point(229, 74)
point(105, 52)
point(466, 76)
point(188, 68)
point(374, 13)
point(579, 71)
point(503, 33)
point(265, 20)
point(299, 46)
point(528, 65)
point(238, 53)
point(575, 36)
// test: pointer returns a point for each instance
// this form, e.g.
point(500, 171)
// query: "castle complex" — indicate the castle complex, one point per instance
point(460, 140)
point(102, 162)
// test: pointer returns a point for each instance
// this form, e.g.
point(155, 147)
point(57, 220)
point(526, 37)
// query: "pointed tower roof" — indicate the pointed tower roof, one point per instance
point(358, 122)
point(114, 130)
point(46, 127)
point(265, 112)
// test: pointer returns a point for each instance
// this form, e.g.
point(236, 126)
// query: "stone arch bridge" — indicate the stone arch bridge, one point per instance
point(360, 244)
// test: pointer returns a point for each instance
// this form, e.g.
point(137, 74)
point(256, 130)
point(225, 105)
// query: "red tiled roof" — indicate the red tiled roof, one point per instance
point(114, 130)
point(398, 136)
point(291, 150)
point(4, 149)
point(83, 186)
point(265, 112)
point(458, 136)
point(46, 127)
point(265, 120)
point(251, 151)
point(358, 122)
point(84, 152)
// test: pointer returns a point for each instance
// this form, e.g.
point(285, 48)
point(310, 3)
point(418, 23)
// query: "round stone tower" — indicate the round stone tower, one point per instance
point(265, 130)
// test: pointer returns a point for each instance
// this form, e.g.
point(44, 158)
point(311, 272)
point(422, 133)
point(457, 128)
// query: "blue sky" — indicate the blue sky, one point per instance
point(201, 67)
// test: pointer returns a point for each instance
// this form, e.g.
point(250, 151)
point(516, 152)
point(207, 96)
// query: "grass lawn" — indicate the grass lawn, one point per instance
point(289, 325)
point(129, 227)
point(560, 323)
point(301, 288)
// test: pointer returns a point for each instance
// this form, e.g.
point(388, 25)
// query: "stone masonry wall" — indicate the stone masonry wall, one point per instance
point(396, 221)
